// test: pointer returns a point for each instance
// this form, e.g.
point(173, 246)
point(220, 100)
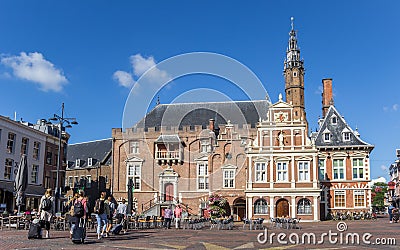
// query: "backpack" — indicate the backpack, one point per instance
point(46, 204)
point(78, 209)
point(99, 207)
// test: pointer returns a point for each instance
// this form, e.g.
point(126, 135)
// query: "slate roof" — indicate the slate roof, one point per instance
point(168, 138)
point(186, 114)
point(99, 151)
point(336, 131)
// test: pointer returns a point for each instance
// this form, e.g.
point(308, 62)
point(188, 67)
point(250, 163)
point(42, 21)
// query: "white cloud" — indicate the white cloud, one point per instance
point(35, 68)
point(395, 107)
point(124, 78)
point(379, 179)
point(140, 65)
point(383, 168)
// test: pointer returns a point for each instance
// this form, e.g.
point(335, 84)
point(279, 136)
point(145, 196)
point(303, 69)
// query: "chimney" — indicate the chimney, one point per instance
point(327, 99)
point(212, 124)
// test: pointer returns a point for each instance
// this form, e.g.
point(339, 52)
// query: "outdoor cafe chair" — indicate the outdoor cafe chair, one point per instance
point(246, 222)
point(296, 223)
point(258, 223)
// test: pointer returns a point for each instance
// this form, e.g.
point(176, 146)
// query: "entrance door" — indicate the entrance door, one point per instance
point(169, 192)
point(239, 208)
point(282, 208)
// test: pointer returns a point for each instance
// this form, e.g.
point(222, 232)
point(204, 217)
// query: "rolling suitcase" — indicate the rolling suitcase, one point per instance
point(116, 229)
point(78, 234)
point(35, 231)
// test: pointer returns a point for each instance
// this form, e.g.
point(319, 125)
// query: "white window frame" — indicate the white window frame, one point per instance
point(306, 210)
point(11, 142)
point(76, 180)
point(134, 172)
point(202, 175)
point(205, 146)
point(334, 119)
point(303, 171)
point(134, 147)
point(90, 161)
point(261, 209)
point(322, 166)
point(88, 181)
point(260, 172)
point(327, 136)
point(358, 193)
point(9, 167)
point(36, 150)
point(78, 163)
point(24, 145)
point(282, 171)
point(35, 173)
point(70, 181)
point(339, 192)
point(228, 177)
point(338, 168)
point(358, 168)
point(346, 136)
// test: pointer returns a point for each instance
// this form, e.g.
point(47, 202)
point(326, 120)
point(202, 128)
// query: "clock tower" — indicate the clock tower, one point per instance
point(294, 77)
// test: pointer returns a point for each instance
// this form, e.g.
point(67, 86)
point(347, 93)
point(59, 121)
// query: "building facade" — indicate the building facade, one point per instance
point(394, 183)
point(89, 169)
point(343, 161)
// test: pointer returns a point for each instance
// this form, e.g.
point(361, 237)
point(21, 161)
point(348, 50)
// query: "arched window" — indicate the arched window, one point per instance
point(304, 206)
point(260, 207)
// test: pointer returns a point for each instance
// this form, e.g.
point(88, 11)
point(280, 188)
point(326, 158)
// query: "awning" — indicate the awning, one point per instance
point(31, 190)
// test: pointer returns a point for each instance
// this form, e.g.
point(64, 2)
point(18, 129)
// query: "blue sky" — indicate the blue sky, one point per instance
point(89, 53)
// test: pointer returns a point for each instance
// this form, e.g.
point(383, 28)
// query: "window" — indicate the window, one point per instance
point(90, 162)
point(346, 136)
point(327, 137)
point(260, 207)
point(205, 146)
point(229, 178)
point(321, 169)
point(134, 173)
point(134, 147)
point(47, 181)
point(304, 206)
point(323, 194)
point(77, 163)
point(202, 176)
point(76, 182)
point(106, 178)
point(334, 120)
point(359, 198)
point(358, 168)
point(260, 172)
point(34, 173)
point(304, 171)
point(295, 74)
point(10, 143)
point(8, 168)
point(24, 145)
point(49, 157)
point(88, 181)
point(36, 150)
point(340, 198)
point(70, 181)
point(338, 169)
point(282, 172)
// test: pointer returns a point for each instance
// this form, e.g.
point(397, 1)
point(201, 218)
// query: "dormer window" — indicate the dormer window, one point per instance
point(77, 163)
point(346, 136)
point(327, 137)
point(205, 146)
point(90, 162)
point(334, 120)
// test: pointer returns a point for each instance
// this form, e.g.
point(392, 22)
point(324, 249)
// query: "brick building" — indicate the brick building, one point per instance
point(343, 161)
point(89, 168)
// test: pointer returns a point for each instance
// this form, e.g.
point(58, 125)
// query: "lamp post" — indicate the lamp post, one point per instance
point(61, 121)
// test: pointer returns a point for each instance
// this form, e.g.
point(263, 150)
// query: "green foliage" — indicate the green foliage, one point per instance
point(216, 206)
point(379, 190)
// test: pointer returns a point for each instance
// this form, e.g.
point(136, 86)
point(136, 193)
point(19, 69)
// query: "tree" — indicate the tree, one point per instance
point(379, 190)
point(216, 206)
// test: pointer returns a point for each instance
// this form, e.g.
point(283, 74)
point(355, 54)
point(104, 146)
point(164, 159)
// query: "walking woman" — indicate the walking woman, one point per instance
point(46, 210)
point(101, 210)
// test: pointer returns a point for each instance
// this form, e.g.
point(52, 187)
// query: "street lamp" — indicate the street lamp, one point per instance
point(61, 121)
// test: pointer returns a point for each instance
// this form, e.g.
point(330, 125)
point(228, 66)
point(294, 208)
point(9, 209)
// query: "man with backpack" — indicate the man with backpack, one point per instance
point(101, 210)
point(46, 210)
point(111, 206)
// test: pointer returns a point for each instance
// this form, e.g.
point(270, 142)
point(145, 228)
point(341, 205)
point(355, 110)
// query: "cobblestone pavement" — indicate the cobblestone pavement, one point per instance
point(238, 238)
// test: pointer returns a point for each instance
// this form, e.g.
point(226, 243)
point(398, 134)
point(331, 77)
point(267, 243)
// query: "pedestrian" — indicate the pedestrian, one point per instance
point(168, 217)
point(121, 214)
point(178, 215)
point(390, 211)
point(78, 211)
point(46, 210)
point(101, 211)
point(111, 205)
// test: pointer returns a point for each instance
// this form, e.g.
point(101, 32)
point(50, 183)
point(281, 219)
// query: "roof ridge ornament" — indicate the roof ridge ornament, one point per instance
point(292, 22)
